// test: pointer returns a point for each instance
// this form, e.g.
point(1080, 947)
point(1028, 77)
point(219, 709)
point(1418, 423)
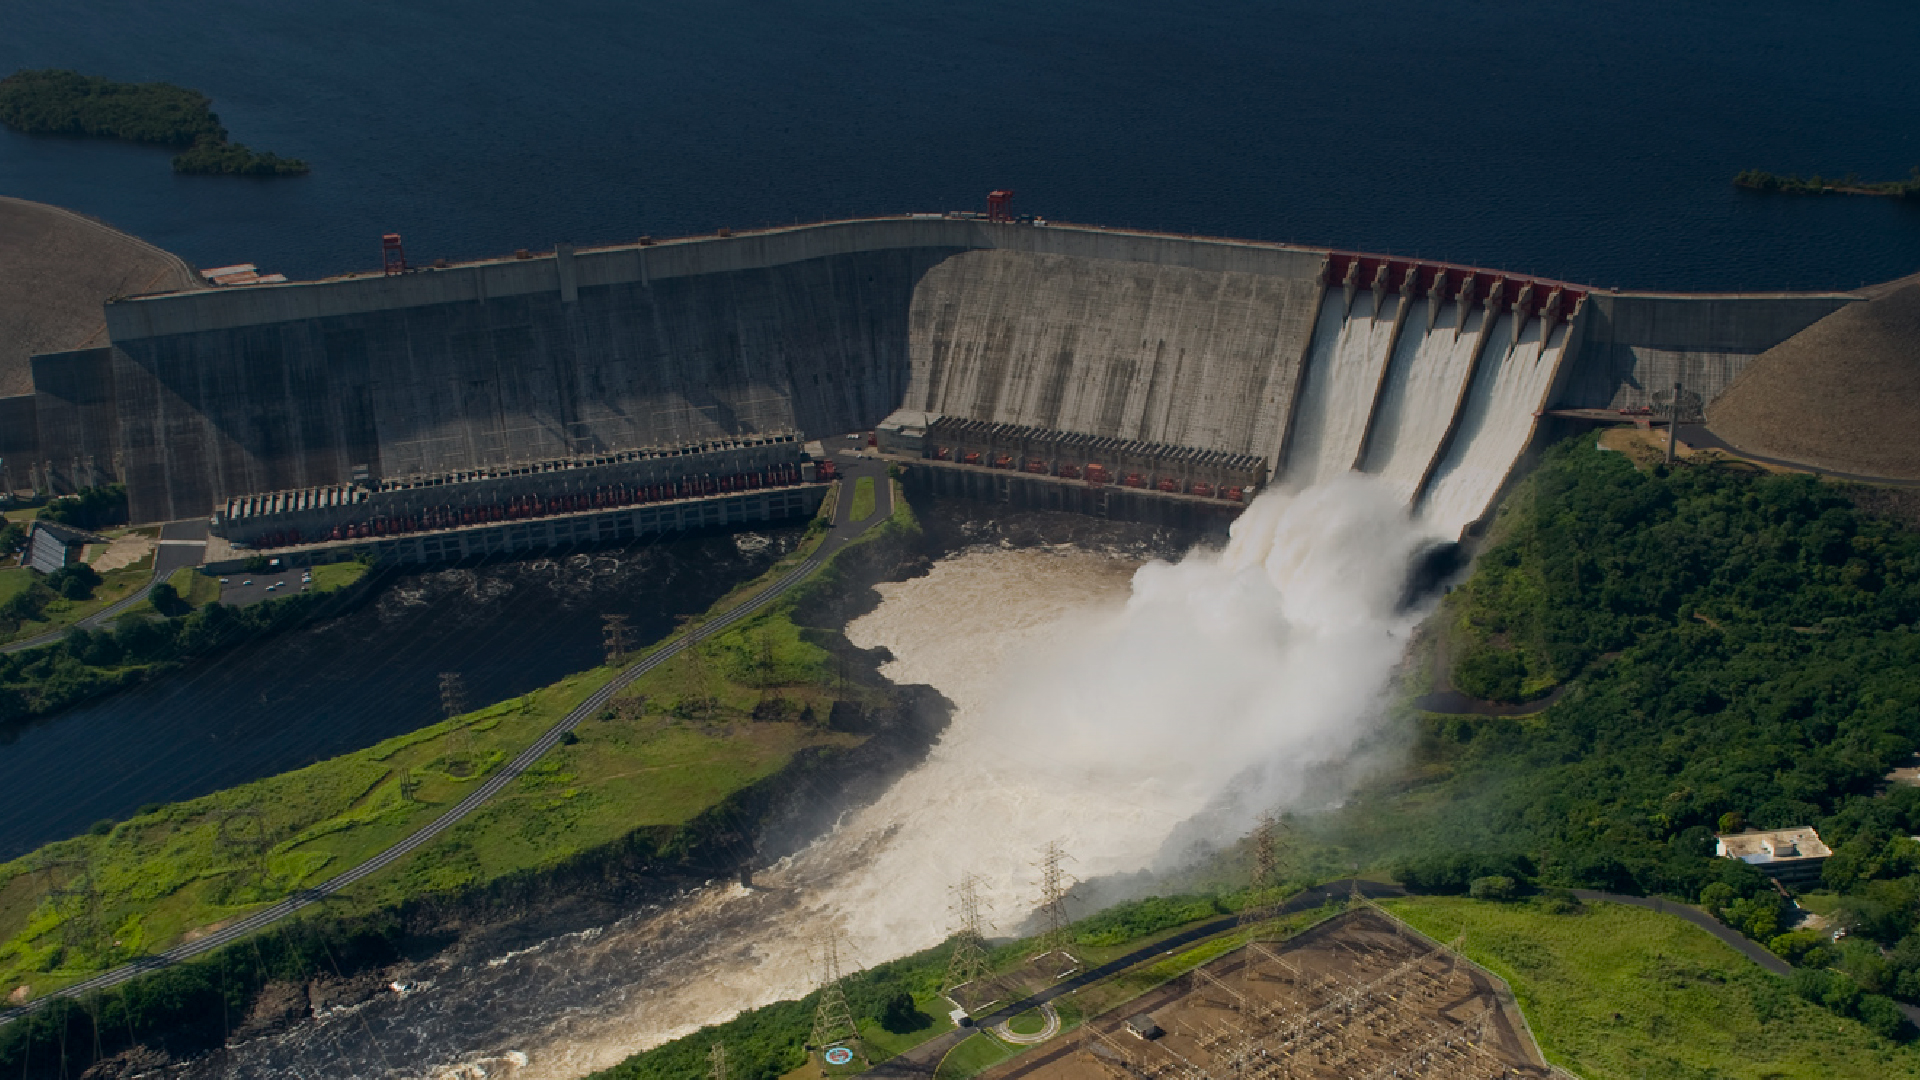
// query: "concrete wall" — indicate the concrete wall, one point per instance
point(1636, 345)
point(19, 441)
point(821, 329)
point(76, 417)
point(818, 345)
point(1128, 350)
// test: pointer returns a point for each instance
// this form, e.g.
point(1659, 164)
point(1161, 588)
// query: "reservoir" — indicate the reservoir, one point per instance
point(1593, 143)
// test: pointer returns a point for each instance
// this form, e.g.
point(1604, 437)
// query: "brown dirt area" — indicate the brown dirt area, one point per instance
point(1843, 394)
point(56, 269)
point(1355, 996)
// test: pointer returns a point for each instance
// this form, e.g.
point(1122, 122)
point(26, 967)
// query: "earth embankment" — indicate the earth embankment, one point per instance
point(56, 269)
point(1842, 395)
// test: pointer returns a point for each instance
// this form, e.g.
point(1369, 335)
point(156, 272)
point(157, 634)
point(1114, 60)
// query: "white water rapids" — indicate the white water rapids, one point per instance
point(1095, 705)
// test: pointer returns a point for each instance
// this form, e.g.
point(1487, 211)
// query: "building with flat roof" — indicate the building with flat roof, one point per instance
point(1794, 854)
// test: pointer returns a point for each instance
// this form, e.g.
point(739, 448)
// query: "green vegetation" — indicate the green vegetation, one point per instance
point(766, 1043)
point(53, 102)
point(665, 778)
point(1741, 652)
point(36, 605)
point(86, 663)
point(89, 508)
point(1756, 180)
point(211, 157)
point(1619, 993)
point(974, 1055)
point(864, 497)
point(196, 590)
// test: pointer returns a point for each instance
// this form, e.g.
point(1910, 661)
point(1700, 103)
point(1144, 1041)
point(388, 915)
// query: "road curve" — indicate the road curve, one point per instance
point(842, 532)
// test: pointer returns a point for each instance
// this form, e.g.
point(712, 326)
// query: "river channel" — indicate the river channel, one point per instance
point(350, 681)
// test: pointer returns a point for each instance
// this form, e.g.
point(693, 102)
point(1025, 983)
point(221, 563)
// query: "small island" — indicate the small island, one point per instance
point(52, 102)
point(1758, 180)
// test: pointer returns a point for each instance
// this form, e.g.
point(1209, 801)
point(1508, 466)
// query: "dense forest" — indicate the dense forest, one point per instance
point(68, 103)
point(1741, 652)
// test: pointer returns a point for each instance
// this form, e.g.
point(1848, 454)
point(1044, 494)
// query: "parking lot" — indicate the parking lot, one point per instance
point(240, 588)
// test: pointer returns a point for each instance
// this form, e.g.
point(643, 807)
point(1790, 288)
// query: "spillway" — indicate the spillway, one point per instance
point(1509, 388)
point(1344, 365)
point(1429, 367)
point(1205, 346)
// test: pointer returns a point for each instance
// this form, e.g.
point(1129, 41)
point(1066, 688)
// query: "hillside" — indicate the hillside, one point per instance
point(1843, 394)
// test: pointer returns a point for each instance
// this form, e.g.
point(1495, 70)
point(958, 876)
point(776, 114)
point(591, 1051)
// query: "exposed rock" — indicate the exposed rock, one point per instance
point(277, 1007)
point(331, 992)
point(127, 1064)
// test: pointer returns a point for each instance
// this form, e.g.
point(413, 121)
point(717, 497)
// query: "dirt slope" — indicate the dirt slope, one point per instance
point(1843, 394)
point(56, 267)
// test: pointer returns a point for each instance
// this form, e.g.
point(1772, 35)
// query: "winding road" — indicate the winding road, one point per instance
point(844, 531)
point(182, 543)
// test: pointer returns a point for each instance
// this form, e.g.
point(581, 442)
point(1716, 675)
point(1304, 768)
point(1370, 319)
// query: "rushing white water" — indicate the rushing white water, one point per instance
point(1345, 362)
point(1429, 370)
point(1095, 705)
point(1508, 391)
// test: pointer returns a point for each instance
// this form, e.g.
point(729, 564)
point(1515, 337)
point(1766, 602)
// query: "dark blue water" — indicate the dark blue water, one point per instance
point(1593, 142)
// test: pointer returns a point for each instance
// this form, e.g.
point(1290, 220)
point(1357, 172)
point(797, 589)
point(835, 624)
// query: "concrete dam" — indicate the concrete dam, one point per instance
point(1308, 361)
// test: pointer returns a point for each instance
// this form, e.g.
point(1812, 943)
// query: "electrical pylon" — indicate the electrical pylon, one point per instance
point(833, 1020)
point(453, 702)
point(614, 633)
point(717, 1062)
point(1054, 883)
point(969, 959)
point(241, 834)
point(1266, 854)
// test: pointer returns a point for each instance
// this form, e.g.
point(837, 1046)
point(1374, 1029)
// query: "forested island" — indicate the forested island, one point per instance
point(1758, 180)
point(49, 102)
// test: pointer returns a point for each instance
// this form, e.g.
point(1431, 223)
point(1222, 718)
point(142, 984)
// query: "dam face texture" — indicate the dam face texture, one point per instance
point(1312, 361)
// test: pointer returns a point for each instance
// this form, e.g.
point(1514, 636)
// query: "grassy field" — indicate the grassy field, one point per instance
point(679, 740)
point(115, 586)
point(14, 580)
point(1622, 993)
point(195, 588)
point(865, 495)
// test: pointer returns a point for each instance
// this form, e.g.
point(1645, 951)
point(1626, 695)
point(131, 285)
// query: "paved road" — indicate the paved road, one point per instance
point(182, 543)
point(843, 532)
point(922, 1060)
point(1698, 435)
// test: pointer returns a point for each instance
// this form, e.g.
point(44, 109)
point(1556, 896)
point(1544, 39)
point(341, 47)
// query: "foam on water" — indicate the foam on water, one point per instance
point(1429, 370)
point(1509, 389)
point(1097, 704)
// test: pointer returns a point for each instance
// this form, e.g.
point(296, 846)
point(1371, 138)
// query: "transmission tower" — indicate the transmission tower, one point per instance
point(969, 959)
point(717, 1062)
point(453, 702)
point(1266, 867)
point(240, 835)
point(75, 885)
point(833, 1020)
point(614, 632)
point(1054, 883)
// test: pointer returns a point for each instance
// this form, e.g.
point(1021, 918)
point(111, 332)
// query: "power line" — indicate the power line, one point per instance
point(969, 959)
point(1054, 883)
point(833, 1020)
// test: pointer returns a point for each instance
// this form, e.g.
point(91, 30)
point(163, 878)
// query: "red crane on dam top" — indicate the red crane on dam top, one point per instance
point(1000, 205)
point(393, 257)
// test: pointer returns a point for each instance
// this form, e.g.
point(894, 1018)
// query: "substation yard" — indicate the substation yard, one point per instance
point(1355, 998)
